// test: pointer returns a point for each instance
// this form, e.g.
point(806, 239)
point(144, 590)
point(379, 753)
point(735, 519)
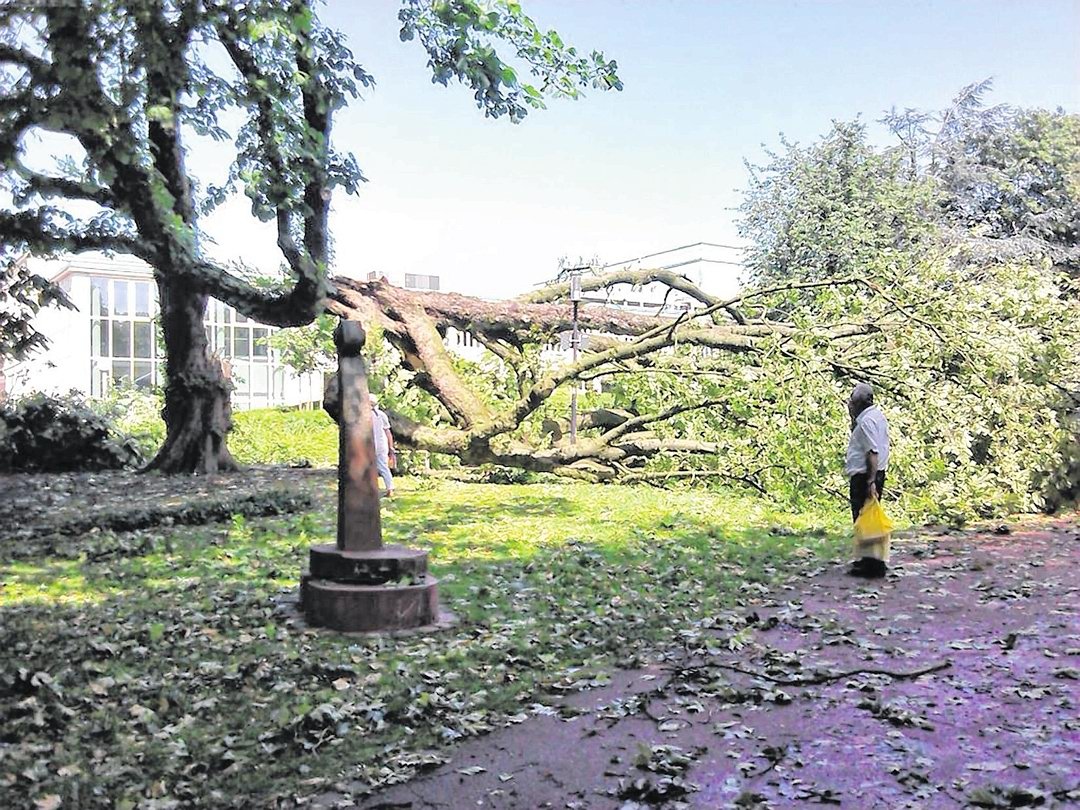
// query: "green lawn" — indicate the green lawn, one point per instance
point(161, 668)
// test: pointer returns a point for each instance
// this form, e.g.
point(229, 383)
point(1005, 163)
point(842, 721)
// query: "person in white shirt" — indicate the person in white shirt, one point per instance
point(866, 462)
point(385, 457)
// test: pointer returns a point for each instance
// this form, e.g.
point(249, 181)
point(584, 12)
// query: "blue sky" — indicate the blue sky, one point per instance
point(492, 206)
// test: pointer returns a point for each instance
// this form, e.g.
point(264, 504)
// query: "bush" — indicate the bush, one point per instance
point(43, 433)
point(281, 436)
point(136, 413)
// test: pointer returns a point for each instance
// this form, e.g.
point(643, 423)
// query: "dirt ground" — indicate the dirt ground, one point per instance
point(795, 708)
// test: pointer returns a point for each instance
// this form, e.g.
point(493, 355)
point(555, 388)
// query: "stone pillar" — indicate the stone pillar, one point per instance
point(358, 525)
point(358, 584)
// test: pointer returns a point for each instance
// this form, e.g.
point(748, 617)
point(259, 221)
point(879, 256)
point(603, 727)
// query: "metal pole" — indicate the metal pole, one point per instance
point(575, 340)
point(573, 390)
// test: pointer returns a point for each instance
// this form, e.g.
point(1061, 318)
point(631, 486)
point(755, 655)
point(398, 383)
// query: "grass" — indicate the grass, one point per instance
point(170, 674)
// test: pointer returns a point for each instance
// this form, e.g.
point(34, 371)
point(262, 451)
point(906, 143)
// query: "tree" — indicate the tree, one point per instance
point(1007, 179)
point(508, 412)
point(22, 295)
point(965, 226)
point(131, 84)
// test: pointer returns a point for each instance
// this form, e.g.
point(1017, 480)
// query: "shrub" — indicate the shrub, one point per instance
point(42, 433)
point(281, 436)
point(136, 413)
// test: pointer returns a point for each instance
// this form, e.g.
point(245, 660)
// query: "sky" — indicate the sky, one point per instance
point(492, 207)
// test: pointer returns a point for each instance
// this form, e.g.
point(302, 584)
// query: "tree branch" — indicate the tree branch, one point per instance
point(36, 230)
point(674, 281)
point(46, 186)
point(638, 421)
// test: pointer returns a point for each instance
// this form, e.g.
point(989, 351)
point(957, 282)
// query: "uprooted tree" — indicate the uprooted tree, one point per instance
point(100, 99)
point(613, 442)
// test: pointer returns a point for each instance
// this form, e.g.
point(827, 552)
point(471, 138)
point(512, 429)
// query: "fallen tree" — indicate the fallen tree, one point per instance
point(611, 443)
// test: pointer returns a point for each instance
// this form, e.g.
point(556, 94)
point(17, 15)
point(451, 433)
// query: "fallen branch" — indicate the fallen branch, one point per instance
point(828, 677)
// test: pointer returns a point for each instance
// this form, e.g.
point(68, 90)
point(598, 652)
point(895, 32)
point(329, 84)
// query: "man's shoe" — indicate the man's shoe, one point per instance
point(868, 567)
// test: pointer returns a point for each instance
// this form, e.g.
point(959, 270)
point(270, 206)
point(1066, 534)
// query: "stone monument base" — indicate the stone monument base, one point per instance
point(351, 608)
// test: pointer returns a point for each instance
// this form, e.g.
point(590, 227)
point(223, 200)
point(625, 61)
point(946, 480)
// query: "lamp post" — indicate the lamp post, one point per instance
point(575, 341)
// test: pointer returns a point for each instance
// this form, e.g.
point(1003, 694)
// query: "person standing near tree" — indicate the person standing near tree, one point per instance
point(865, 465)
point(385, 458)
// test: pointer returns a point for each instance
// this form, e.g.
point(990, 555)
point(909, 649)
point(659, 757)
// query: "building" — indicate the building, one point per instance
point(713, 267)
point(460, 343)
point(111, 339)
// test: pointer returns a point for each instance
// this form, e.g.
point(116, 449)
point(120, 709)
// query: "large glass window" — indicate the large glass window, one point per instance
point(144, 339)
point(99, 338)
point(144, 373)
point(125, 346)
point(121, 372)
point(121, 338)
point(259, 349)
point(99, 297)
point(120, 297)
point(241, 342)
point(142, 299)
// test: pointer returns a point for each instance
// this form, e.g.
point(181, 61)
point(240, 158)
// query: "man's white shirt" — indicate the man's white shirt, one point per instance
point(871, 434)
point(380, 423)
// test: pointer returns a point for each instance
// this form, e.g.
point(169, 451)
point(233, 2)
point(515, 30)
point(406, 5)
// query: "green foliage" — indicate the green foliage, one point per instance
point(975, 348)
point(829, 209)
point(134, 413)
point(54, 434)
point(283, 436)
point(307, 348)
point(22, 295)
point(460, 37)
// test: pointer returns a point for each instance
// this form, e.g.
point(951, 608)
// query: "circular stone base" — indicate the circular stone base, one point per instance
point(350, 608)
point(371, 567)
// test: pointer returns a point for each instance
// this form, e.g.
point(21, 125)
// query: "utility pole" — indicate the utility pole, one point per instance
point(575, 341)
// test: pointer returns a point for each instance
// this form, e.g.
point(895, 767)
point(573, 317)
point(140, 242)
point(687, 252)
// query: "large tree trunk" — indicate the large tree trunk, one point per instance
point(197, 412)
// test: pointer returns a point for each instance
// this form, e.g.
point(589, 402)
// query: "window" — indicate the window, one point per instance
point(142, 299)
point(259, 349)
point(99, 297)
point(121, 338)
point(144, 339)
point(121, 372)
point(144, 374)
point(120, 297)
point(125, 344)
point(241, 342)
point(99, 338)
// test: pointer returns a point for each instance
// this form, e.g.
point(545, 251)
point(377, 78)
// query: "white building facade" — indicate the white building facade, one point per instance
point(111, 339)
point(714, 268)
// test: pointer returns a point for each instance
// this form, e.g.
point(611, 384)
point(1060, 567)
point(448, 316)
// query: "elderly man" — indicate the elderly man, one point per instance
point(865, 465)
point(384, 445)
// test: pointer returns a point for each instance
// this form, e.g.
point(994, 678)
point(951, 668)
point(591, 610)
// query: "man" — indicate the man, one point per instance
point(385, 457)
point(865, 465)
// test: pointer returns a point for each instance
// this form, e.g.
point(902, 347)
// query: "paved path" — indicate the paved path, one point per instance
point(997, 726)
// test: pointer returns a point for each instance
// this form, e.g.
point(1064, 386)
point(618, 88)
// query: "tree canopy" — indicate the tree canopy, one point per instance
point(100, 100)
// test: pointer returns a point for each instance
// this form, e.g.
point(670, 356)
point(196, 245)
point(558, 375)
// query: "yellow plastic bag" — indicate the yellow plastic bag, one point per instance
point(873, 531)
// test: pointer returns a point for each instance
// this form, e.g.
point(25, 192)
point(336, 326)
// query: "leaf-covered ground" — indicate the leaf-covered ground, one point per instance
point(953, 683)
point(160, 667)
